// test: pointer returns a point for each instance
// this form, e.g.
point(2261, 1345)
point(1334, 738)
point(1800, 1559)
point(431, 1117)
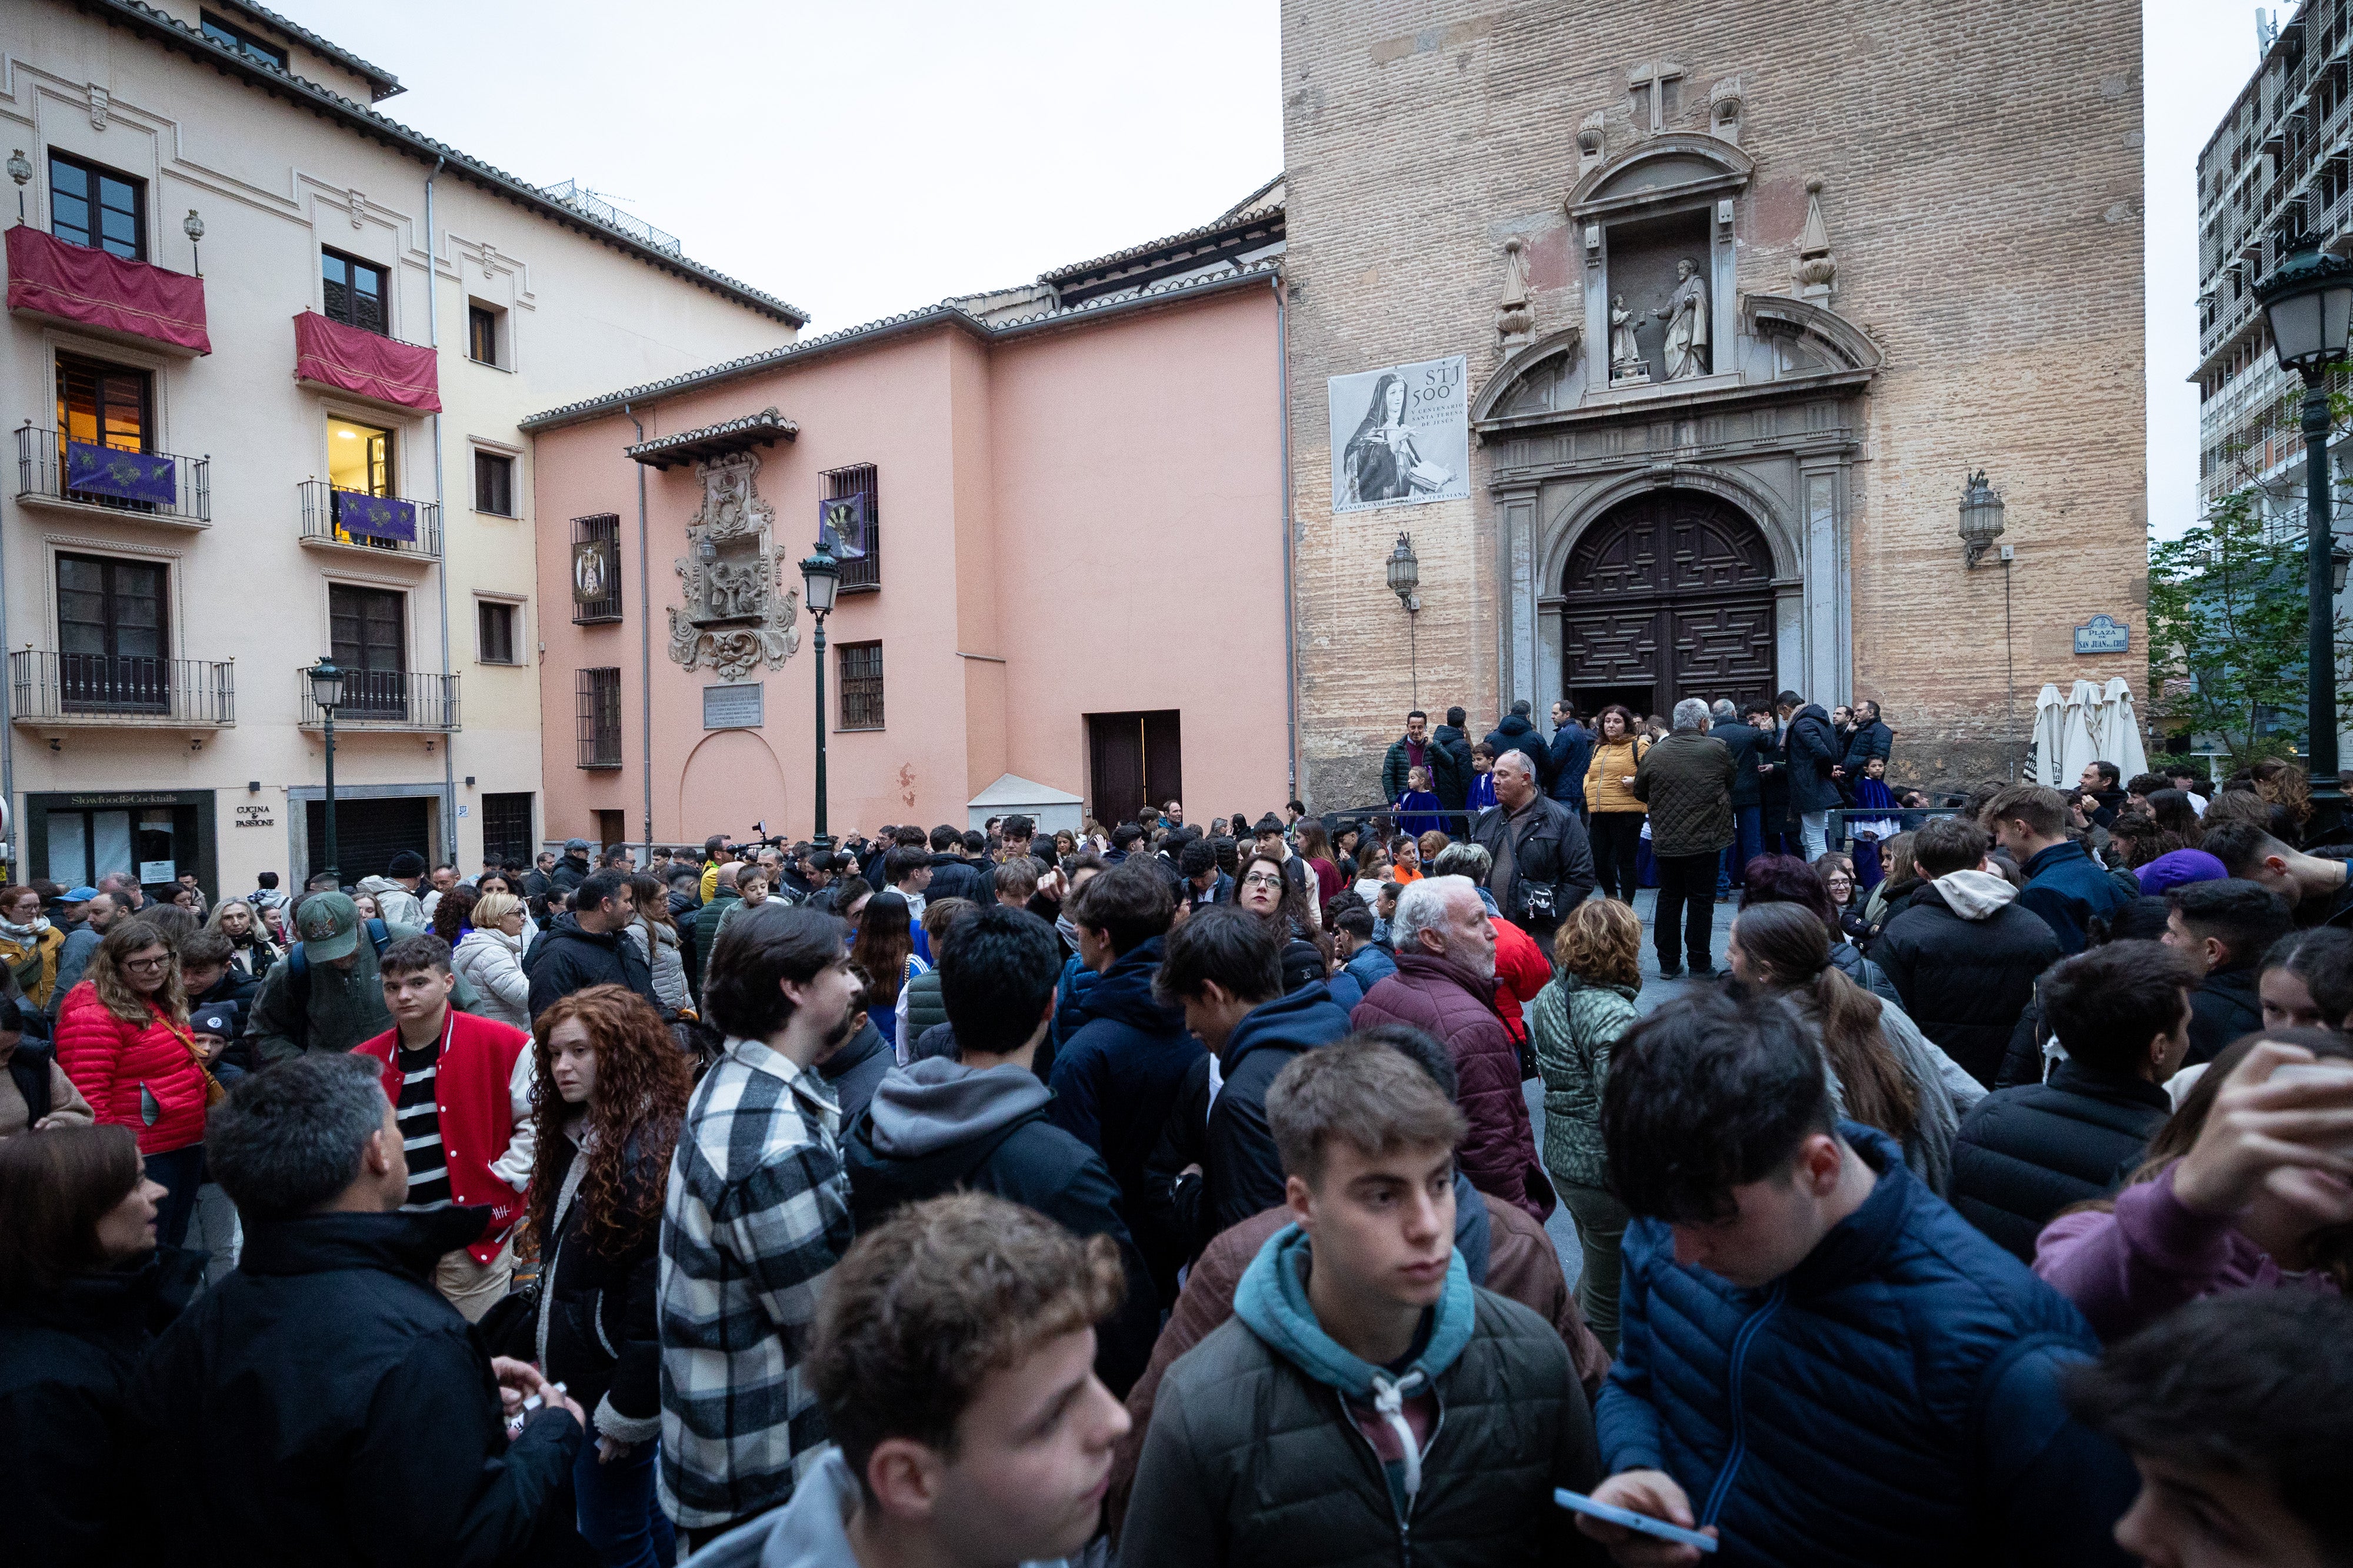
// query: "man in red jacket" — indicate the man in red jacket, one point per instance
point(1445, 984)
point(461, 1087)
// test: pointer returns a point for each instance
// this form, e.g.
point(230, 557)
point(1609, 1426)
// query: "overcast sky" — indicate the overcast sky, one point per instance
point(862, 160)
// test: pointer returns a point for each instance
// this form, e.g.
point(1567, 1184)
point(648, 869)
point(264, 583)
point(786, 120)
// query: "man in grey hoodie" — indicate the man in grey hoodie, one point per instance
point(1962, 954)
point(979, 1120)
point(395, 892)
point(952, 1361)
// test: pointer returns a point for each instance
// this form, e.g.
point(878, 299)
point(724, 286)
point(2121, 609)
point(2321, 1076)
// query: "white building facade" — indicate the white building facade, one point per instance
point(266, 354)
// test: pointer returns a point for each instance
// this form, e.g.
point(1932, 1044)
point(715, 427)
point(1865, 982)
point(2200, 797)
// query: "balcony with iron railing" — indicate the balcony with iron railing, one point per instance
point(159, 488)
point(116, 691)
point(385, 527)
point(385, 700)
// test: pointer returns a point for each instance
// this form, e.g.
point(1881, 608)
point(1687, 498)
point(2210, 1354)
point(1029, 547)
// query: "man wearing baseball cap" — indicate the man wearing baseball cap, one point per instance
point(327, 995)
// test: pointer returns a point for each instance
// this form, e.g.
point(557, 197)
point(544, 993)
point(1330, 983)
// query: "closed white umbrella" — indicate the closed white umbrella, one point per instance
point(2118, 730)
point(2079, 747)
point(2050, 732)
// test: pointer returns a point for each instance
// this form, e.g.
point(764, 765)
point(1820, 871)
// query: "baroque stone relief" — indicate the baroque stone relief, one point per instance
point(736, 615)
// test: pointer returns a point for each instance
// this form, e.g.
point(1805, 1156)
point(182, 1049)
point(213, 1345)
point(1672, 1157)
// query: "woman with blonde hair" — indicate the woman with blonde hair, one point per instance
point(123, 1039)
point(1574, 1023)
point(251, 947)
point(490, 959)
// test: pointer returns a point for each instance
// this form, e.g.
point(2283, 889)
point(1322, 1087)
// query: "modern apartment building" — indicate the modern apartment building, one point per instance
point(267, 354)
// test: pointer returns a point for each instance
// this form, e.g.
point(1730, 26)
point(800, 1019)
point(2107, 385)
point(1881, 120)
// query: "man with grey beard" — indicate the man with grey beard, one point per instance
point(1445, 985)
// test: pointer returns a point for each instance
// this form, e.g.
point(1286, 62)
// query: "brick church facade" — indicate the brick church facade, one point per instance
point(1743, 296)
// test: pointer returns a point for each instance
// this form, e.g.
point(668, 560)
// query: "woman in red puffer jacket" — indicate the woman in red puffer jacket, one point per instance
point(122, 1036)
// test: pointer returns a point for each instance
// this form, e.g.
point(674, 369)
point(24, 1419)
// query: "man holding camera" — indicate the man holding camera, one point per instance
point(1543, 866)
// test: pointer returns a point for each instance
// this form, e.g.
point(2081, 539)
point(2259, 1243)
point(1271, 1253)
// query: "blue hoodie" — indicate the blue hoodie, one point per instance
point(1119, 1071)
point(1271, 1302)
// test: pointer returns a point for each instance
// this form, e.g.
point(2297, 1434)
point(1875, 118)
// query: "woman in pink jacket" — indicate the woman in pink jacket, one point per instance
point(123, 1039)
point(2248, 1187)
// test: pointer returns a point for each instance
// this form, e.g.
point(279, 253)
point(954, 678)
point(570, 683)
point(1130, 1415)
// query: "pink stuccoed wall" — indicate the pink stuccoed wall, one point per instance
point(1099, 506)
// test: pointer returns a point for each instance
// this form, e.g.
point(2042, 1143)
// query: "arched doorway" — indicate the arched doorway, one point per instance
point(1668, 596)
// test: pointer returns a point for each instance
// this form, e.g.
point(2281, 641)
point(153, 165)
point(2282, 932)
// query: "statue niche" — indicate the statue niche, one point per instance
point(734, 616)
point(1658, 290)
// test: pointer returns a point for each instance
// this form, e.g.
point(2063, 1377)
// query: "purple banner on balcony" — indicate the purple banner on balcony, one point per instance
point(841, 525)
point(126, 476)
point(376, 517)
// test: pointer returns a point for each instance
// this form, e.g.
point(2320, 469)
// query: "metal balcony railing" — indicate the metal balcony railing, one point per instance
point(333, 518)
point(167, 487)
point(114, 689)
point(386, 700)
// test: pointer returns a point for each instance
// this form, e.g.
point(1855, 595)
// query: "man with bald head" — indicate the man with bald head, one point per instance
point(1543, 866)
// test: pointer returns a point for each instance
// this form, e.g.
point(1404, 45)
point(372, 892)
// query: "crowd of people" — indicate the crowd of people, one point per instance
point(1170, 1194)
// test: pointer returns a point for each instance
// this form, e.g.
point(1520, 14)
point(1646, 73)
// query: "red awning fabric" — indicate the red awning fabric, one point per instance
point(358, 361)
point(86, 285)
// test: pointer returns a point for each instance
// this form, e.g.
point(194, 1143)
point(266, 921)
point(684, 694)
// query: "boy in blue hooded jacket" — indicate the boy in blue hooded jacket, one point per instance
point(1367, 1402)
point(1820, 1363)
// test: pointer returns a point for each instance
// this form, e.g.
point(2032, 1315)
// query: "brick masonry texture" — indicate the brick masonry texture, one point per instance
point(1982, 169)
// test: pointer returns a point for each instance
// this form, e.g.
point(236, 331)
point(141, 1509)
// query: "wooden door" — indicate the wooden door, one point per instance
point(1671, 593)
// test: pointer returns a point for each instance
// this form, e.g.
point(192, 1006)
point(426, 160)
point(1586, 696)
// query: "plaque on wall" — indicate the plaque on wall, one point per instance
point(2103, 634)
point(731, 707)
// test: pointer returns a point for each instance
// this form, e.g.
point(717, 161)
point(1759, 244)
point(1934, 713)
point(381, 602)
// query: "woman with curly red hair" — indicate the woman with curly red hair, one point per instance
point(610, 1097)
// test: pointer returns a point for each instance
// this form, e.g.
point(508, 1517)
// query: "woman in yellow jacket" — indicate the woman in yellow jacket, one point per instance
point(30, 943)
point(1616, 828)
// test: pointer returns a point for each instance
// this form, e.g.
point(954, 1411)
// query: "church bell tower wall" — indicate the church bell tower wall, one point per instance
point(1807, 267)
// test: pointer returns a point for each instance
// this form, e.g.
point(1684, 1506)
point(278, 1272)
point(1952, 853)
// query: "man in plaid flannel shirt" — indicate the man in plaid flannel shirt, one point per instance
point(758, 1214)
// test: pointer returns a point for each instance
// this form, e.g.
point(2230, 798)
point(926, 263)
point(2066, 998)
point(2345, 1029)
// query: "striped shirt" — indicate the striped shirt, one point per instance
point(419, 1112)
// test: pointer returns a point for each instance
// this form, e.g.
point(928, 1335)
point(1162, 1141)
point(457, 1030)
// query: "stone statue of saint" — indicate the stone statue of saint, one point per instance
point(1686, 316)
point(1625, 356)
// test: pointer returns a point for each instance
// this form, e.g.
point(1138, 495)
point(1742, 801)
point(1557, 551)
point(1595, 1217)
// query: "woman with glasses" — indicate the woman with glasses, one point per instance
point(123, 1038)
point(1267, 891)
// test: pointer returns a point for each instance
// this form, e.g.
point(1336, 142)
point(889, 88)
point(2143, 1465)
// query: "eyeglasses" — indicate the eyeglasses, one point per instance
point(1262, 879)
point(145, 962)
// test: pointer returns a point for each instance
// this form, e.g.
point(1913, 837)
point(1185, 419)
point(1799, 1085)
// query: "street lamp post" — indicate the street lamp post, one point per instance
point(2309, 301)
point(1405, 582)
point(327, 691)
point(822, 575)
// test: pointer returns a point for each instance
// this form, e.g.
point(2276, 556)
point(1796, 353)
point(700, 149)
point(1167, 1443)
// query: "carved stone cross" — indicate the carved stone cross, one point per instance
point(1648, 85)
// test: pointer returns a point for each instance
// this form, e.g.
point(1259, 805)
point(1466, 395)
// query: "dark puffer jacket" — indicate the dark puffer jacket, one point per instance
point(1115, 1074)
point(1252, 1458)
point(1451, 780)
point(1687, 781)
point(954, 876)
point(1964, 957)
point(1437, 994)
point(566, 958)
point(2022, 1154)
point(1934, 1356)
point(598, 1332)
point(1808, 751)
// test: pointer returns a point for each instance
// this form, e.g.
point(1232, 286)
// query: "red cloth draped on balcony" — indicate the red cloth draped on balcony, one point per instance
point(98, 289)
point(361, 362)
